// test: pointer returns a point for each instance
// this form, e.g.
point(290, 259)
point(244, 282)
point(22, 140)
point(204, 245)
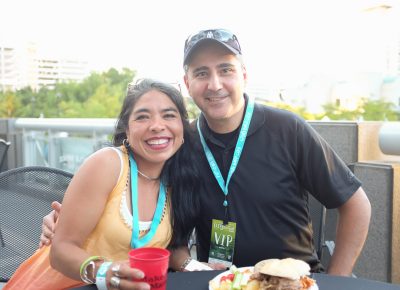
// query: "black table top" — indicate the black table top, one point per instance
point(199, 281)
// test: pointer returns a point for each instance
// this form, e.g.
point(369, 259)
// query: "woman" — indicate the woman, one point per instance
point(151, 154)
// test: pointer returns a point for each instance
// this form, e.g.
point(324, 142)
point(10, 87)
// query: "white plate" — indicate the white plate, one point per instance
point(218, 277)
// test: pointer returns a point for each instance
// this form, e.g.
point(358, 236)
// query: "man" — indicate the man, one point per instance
point(259, 164)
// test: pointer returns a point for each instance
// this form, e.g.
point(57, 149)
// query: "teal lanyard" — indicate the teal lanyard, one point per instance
point(136, 241)
point(236, 155)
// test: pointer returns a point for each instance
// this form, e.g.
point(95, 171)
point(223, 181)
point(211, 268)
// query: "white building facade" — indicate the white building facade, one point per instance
point(26, 66)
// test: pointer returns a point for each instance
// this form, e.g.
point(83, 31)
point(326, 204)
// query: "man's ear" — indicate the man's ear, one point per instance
point(244, 71)
point(186, 81)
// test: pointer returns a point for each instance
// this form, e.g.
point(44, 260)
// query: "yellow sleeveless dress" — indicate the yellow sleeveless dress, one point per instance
point(111, 238)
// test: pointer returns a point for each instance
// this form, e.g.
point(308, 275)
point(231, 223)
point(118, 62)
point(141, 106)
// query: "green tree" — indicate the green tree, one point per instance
point(301, 111)
point(99, 95)
point(336, 112)
point(26, 102)
point(368, 110)
point(379, 110)
point(71, 109)
point(104, 103)
point(192, 109)
point(8, 104)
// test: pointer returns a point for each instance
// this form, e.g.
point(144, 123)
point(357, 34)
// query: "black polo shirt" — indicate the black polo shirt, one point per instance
point(283, 158)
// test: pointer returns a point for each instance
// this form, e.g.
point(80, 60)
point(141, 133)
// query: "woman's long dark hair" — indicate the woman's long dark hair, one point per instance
point(180, 171)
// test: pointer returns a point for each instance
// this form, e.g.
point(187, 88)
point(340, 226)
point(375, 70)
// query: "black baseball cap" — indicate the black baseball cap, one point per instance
point(221, 36)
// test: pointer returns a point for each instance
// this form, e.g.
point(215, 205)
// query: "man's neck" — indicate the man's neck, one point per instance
point(227, 125)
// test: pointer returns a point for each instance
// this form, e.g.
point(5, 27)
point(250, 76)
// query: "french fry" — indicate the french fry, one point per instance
point(252, 285)
point(225, 285)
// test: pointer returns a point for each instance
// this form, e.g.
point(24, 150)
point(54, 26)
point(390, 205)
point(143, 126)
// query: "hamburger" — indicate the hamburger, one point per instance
point(283, 274)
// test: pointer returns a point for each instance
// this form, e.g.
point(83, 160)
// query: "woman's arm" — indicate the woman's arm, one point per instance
point(82, 207)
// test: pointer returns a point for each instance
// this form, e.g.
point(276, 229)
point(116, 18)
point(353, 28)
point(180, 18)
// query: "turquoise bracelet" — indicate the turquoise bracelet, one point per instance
point(101, 276)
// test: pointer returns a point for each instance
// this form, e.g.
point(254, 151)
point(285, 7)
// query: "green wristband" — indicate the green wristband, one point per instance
point(83, 271)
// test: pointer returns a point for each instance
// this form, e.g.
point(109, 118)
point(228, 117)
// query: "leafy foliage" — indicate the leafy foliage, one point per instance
point(301, 111)
point(100, 95)
point(192, 109)
point(380, 110)
point(367, 110)
point(8, 104)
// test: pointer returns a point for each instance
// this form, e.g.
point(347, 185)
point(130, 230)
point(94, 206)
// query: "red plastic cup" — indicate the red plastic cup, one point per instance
point(153, 262)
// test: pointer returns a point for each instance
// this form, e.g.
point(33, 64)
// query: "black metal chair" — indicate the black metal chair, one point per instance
point(25, 197)
point(4, 145)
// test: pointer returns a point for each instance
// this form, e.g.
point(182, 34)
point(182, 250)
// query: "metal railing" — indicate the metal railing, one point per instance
point(65, 143)
point(62, 143)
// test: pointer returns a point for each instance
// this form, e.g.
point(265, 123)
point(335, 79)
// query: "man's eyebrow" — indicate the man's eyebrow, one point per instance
point(225, 65)
point(221, 65)
point(202, 68)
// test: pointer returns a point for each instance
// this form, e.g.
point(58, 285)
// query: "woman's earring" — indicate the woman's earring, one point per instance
point(125, 142)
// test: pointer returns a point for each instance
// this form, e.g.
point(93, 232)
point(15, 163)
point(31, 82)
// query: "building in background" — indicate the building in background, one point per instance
point(372, 71)
point(8, 68)
point(26, 66)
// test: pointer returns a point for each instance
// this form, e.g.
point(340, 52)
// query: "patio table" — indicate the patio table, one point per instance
point(199, 281)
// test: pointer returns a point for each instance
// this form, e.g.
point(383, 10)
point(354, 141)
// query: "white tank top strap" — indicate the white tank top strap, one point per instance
point(126, 215)
point(119, 152)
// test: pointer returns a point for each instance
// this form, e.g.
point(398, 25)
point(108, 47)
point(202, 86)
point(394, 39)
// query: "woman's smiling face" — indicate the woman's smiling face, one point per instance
point(155, 130)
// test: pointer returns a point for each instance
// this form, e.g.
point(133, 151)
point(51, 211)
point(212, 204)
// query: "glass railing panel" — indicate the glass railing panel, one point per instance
point(62, 143)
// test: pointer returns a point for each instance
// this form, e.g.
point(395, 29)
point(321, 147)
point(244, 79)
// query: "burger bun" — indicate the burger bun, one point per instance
point(289, 268)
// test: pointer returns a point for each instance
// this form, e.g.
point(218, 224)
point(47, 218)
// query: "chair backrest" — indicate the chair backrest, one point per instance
point(318, 214)
point(4, 145)
point(26, 194)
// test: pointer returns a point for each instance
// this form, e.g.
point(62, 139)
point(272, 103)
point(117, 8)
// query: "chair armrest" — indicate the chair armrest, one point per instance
point(331, 246)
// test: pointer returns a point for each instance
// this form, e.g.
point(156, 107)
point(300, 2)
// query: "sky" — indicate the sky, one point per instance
point(284, 41)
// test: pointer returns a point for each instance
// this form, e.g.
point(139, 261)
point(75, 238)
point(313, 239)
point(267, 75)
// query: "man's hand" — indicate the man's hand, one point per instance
point(216, 266)
point(49, 225)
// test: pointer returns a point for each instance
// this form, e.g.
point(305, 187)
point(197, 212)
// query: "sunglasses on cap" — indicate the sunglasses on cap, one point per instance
point(135, 85)
point(222, 36)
